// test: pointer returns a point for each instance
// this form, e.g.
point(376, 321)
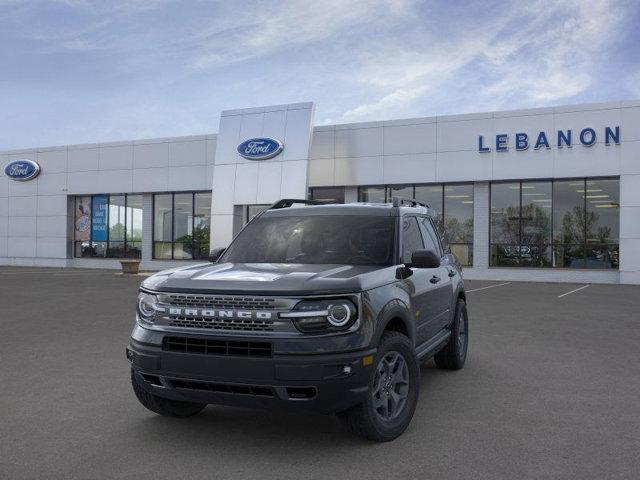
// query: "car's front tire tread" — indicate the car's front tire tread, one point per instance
point(452, 357)
point(362, 420)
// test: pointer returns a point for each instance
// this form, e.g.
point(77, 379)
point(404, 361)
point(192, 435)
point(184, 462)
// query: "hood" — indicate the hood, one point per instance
point(270, 279)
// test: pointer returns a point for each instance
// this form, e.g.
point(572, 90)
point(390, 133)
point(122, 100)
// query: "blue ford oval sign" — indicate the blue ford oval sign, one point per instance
point(260, 148)
point(22, 170)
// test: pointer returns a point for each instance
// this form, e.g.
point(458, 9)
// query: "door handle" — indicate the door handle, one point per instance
point(435, 279)
point(452, 273)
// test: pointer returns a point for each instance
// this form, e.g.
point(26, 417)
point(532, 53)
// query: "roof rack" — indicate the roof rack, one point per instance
point(412, 202)
point(288, 202)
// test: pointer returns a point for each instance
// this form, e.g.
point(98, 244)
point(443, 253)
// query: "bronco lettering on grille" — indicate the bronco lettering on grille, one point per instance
point(211, 313)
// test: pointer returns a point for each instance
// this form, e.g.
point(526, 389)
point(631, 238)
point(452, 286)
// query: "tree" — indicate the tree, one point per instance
point(199, 238)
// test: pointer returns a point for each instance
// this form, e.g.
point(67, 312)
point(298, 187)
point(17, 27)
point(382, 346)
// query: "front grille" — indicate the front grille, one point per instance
point(207, 346)
point(254, 390)
point(243, 325)
point(219, 302)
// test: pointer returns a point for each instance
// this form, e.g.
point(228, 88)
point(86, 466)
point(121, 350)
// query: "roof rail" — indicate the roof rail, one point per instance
point(412, 202)
point(288, 202)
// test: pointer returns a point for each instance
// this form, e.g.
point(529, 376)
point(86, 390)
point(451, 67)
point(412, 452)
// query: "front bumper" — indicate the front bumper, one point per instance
point(325, 383)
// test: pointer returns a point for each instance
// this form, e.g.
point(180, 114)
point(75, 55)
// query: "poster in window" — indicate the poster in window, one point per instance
point(83, 219)
point(99, 218)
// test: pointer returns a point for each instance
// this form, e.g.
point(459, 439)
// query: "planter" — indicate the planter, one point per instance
point(130, 266)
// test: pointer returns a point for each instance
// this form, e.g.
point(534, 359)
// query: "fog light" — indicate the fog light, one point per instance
point(346, 369)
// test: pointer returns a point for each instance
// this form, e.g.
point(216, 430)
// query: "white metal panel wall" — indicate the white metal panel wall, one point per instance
point(445, 149)
point(238, 181)
point(34, 223)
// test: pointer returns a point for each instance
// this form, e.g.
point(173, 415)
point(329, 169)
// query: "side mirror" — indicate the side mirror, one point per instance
point(425, 259)
point(215, 254)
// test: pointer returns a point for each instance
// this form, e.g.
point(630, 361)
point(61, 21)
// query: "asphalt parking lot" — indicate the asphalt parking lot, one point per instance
point(551, 390)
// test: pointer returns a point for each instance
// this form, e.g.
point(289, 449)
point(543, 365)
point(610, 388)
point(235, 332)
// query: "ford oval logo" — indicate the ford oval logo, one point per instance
point(22, 170)
point(260, 148)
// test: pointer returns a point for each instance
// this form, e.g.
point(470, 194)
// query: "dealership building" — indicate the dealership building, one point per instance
point(547, 194)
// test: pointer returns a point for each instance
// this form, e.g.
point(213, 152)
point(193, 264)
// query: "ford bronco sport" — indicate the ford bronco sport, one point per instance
point(327, 308)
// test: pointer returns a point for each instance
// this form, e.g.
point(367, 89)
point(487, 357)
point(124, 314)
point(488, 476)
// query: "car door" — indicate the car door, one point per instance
point(420, 282)
point(442, 293)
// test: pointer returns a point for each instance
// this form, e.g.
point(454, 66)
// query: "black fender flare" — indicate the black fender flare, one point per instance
point(458, 294)
point(395, 309)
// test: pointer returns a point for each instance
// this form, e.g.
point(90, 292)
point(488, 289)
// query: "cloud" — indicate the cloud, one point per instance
point(397, 98)
point(287, 24)
point(106, 70)
point(406, 76)
point(541, 53)
point(552, 61)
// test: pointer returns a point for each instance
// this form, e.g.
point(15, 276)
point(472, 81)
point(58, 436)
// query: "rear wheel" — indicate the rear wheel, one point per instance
point(164, 406)
point(454, 354)
point(393, 392)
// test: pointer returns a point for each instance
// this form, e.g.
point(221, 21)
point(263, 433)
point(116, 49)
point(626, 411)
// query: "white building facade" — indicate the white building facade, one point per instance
point(549, 194)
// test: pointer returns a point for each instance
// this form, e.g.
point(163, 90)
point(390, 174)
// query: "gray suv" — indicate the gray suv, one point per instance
point(326, 308)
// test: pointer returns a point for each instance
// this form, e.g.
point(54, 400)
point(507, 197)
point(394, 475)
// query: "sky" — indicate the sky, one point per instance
point(80, 71)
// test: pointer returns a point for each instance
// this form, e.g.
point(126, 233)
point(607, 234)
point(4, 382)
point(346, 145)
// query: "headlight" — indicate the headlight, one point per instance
point(147, 306)
point(316, 316)
point(340, 314)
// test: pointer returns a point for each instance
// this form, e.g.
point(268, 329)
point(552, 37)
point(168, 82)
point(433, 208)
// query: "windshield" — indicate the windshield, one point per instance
point(344, 239)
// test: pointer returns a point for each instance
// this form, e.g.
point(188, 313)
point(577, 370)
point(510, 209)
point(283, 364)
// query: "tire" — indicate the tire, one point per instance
point(368, 419)
point(454, 354)
point(164, 406)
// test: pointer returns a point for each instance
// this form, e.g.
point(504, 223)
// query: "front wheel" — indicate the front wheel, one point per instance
point(454, 354)
point(393, 392)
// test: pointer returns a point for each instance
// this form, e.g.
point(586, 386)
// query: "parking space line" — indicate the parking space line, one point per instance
point(488, 286)
point(573, 291)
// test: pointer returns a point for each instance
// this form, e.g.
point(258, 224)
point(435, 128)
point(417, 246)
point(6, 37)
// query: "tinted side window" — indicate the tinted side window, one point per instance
point(411, 238)
point(430, 239)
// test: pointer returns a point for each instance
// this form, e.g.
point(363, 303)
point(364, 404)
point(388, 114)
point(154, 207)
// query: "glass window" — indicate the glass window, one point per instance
point(429, 236)
point(411, 238)
point(320, 239)
point(99, 225)
point(253, 210)
point(603, 223)
point(458, 221)
point(82, 226)
point(372, 194)
point(568, 211)
point(505, 213)
point(535, 230)
point(327, 194)
point(134, 226)
point(505, 223)
point(182, 225)
point(603, 211)
point(564, 223)
point(404, 191)
point(117, 220)
point(453, 207)
point(108, 226)
point(201, 224)
point(569, 223)
point(432, 196)
point(162, 225)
